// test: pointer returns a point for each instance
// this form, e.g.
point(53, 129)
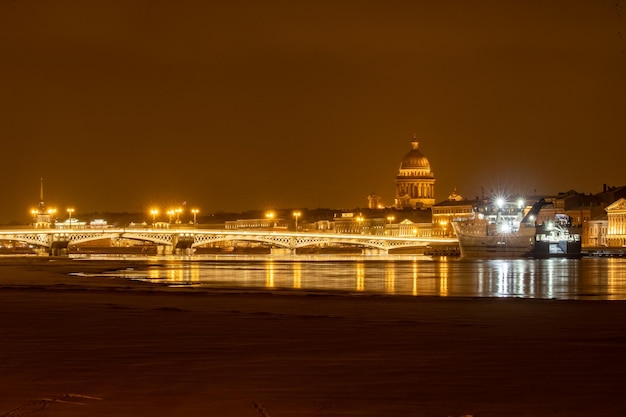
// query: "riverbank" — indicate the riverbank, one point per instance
point(128, 348)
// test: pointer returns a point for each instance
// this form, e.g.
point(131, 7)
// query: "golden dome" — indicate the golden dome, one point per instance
point(415, 159)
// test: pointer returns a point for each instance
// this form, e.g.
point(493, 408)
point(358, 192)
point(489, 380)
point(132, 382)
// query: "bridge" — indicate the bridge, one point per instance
point(57, 241)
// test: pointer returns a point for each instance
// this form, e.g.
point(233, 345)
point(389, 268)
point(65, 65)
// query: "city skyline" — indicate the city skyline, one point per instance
point(126, 105)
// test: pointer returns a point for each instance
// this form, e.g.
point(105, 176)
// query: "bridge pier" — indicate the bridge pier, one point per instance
point(182, 243)
point(42, 251)
point(59, 248)
point(164, 250)
point(184, 251)
point(282, 251)
point(375, 251)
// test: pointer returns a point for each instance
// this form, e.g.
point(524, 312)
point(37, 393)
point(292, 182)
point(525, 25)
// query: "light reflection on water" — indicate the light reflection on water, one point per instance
point(587, 278)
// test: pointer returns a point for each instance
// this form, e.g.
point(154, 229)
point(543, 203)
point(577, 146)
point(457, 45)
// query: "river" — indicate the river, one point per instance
point(407, 275)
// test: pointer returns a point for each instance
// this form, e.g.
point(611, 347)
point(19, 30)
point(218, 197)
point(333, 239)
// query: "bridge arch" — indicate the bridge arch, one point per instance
point(189, 238)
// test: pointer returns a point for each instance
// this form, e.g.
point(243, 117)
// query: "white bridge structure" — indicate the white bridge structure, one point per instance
point(168, 241)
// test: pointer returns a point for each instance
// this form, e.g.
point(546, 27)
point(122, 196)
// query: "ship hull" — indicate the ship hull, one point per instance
point(496, 246)
point(558, 249)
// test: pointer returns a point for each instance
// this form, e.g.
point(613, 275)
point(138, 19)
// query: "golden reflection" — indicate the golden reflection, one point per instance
point(297, 275)
point(269, 273)
point(360, 276)
point(194, 273)
point(174, 275)
point(443, 276)
point(390, 278)
point(154, 274)
point(414, 277)
point(182, 274)
point(616, 279)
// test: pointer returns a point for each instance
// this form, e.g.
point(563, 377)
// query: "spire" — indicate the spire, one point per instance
point(414, 142)
point(41, 203)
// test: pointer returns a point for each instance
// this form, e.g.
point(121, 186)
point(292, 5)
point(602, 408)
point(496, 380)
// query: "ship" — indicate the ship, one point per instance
point(557, 239)
point(507, 231)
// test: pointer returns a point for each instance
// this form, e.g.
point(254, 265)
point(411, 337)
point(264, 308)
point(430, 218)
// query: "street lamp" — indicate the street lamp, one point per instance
point(52, 213)
point(444, 225)
point(270, 215)
point(178, 211)
point(154, 212)
point(170, 213)
point(359, 221)
point(69, 213)
point(297, 214)
point(195, 213)
point(390, 219)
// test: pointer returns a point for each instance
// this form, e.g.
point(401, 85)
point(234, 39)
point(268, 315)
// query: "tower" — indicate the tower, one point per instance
point(42, 218)
point(415, 182)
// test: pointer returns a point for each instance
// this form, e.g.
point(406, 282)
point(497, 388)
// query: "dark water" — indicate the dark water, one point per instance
point(587, 278)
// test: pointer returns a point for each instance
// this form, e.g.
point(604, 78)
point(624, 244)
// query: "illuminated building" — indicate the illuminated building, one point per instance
point(374, 202)
point(596, 235)
point(415, 182)
point(454, 208)
point(616, 230)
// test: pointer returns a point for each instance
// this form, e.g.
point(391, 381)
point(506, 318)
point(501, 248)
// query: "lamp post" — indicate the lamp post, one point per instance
point(297, 214)
point(388, 230)
point(154, 213)
point(195, 213)
point(270, 215)
point(359, 221)
point(52, 213)
point(178, 211)
point(444, 226)
point(69, 213)
point(170, 213)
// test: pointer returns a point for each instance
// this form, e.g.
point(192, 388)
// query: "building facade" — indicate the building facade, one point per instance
point(597, 230)
point(616, 225)
point(445, 212)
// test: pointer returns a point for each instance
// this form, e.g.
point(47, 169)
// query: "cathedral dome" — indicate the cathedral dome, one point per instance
point(415, 182)
point(415, 159)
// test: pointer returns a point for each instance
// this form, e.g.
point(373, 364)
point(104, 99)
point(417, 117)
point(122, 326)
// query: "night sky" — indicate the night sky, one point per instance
point(236, 105)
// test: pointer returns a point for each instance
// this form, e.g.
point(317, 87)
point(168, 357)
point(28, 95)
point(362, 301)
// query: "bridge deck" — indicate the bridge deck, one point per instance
point(189, 238)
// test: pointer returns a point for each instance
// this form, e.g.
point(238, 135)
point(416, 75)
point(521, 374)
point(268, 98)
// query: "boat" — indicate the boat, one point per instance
point(557, 239)
point(506, 231)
